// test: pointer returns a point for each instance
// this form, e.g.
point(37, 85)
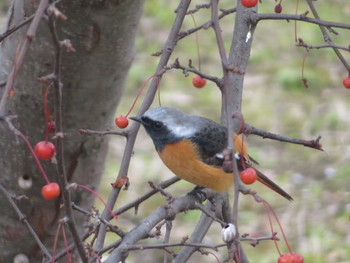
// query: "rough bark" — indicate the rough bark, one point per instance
point(102, 32)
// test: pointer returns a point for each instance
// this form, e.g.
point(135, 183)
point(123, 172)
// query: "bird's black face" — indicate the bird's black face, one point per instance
point(158, 131)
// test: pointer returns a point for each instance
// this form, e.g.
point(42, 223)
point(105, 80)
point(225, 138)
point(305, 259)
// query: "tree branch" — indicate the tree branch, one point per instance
point(24, 220)
point(315, 144)
point(197, 236)
point(61, 170)
point(327, 37)
point(167, 51)
point(141, 231)
point(21, 52)
point(257, 17)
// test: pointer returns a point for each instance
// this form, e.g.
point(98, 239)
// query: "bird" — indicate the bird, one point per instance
point(191, 147)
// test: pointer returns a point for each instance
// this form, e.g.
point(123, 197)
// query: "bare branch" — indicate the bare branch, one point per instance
point(24, 220)
point(61, 170)
point(141, 231)
point(257, 17)
point(197, 235)
point(315, 144)
point(327, 37)
point(224, 12)
point(301, 43)
point(124, 133)
point(21, 52)
point(145, 196)
point(185, 70)
point(15, 28)
point(167, 51)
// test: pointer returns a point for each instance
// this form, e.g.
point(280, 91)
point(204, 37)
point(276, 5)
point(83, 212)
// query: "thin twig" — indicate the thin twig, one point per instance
point(24, 220)
point(327, 37)
point(197, 235)
point(71, 247)
point(224, 12)
point(163, 61)
point(124, 133)
point(145, 196)
point(217, 31)
point(62, 176)
point(301, 43)
point(113, 228)
point(314, 144)
point(168, 227)
point(256, 17)
point(20, 54)
point(142, 230)
point(185, 70)
point(205, 211)
point(15, 28)
point(175, 244)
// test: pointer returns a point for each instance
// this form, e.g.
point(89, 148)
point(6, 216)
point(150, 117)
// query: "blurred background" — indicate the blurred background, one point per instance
point(317, 221)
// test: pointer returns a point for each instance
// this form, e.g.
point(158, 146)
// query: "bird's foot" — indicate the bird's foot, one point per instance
point(198, 193)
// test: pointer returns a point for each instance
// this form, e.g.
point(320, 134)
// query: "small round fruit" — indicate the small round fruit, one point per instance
point(45, 150)
point(285, 258)
point(198, 81)
point(297, 258)
point(278, 8)
point(121, 121)
point(249, 3)
point(50, 191)
point(248, 176)
point(346, 82)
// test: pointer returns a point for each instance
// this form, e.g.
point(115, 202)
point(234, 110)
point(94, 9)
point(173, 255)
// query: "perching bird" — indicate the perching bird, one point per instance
point(189, 146)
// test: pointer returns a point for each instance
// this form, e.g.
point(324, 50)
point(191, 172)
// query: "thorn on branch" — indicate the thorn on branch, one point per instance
point(168, 196)
point(21, 197)
point(67, 44)
point(53, 10)
point(306, 85)
point(120, 182)
point(235, 70)
point(47, 78)
point(197, 8)
point(157, 54)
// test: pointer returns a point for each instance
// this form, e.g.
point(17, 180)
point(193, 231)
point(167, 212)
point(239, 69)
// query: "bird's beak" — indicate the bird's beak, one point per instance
point(138, 119)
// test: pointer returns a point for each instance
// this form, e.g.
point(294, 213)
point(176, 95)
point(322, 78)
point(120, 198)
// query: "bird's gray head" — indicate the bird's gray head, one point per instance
point(168, 125)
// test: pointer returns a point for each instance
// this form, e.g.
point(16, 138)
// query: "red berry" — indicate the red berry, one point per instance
point(51, 126)
point(285, 258)
point(346, 82)
point(290, 258)
point(278, 8)
point(45, 150)
point(249, 3)
point(198, 81)
point(121, 121)
point(248, 176)
point(297, 258)
point(50, 191)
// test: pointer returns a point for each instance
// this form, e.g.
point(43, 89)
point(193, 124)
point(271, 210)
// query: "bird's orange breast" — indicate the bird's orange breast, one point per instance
point(182, 158)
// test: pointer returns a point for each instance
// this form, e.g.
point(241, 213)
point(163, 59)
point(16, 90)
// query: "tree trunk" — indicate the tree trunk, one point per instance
point(102, 33)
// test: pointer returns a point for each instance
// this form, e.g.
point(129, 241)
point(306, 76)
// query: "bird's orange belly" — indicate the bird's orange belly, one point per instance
point(182, 159)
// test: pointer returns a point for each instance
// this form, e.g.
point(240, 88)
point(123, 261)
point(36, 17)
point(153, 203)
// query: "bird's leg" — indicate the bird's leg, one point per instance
point(198, 193)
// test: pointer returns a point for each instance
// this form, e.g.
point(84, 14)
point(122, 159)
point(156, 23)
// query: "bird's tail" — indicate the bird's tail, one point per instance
point(269, 183)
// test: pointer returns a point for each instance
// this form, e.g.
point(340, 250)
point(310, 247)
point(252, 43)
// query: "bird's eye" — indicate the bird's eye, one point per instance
point(157, 125)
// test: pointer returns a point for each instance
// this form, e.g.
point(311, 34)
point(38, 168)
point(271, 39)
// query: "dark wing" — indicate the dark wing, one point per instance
point(211, 139)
